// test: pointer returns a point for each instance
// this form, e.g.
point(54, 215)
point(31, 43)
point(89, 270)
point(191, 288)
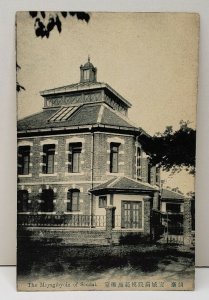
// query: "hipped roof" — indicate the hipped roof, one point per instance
point(123, 184)
point(85, 114)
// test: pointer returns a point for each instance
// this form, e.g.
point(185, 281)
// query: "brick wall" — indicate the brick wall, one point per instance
point(61, 180)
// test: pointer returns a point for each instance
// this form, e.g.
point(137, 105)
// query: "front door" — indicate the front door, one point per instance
point(131, 213)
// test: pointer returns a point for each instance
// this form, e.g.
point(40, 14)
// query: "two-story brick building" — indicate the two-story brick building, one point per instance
point(82, 155)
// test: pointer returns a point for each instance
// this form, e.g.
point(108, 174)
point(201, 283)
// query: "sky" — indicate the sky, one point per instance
point(149, 58)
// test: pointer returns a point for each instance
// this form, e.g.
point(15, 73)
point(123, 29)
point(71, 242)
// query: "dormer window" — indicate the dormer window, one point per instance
point(86, 75)
point(88, 72)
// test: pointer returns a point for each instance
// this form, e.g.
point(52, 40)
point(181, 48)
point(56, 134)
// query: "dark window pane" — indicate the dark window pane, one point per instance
point(22, 201)
point(23, 160)
point(138, 162)
point(157, 175)
point(114, 148)
point(47, 198)
point(26, 164)
point(73, 203)
point(48, 159)
point(50, 163)
point(74, 157)
point(173, 207)
point(102, 201)
point(76, 160)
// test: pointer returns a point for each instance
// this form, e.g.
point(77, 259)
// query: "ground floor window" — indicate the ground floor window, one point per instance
point(131, 214)
point(102, 201)
point(173, 207)
point(47, 197)
point(22, 200)
point(73, 197)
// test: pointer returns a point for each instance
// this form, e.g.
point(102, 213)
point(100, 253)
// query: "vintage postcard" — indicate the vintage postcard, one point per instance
point(106, 108)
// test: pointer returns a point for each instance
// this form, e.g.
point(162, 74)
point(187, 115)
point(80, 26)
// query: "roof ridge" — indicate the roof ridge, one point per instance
point(118, 95)
point(141, 182)
point(114, 181)
point(121, 116)
point(100, 114)
point(167, 189)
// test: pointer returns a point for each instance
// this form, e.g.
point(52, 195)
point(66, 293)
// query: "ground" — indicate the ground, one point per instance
point(108, 264)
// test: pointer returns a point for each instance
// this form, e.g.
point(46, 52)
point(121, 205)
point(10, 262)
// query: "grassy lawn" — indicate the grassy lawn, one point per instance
point(36, 261)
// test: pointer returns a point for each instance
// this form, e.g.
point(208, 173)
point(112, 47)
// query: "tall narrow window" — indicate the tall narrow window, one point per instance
point(73, 197)
point(23, 160)
point(114, 149)
point(48, 158)
point(47, 197)
point(22, 201)
point(138, 163)
point(74, 157)
point(157, 178)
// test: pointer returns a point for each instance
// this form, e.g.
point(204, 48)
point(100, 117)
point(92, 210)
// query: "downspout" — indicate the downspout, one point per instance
point(139, 144)
point(136, 160)
point(92, 177)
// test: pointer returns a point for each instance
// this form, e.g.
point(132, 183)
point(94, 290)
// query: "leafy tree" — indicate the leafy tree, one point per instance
point(173, 150)
point(177, 190)
point(45, 22)
point(19, 87)
point(191, 196)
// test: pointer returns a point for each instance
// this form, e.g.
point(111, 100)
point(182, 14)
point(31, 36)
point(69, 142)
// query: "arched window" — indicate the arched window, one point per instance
point(47, 197)
point(22, 200)
point(73, 197)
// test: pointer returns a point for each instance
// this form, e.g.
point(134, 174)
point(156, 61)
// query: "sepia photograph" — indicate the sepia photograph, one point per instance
point(106, 138)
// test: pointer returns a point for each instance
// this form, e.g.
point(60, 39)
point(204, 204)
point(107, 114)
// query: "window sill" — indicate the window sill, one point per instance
point(115, 174)
point(73, 213)
point(24, 176)
point(47, 175)
point(74, 174)
point(128, 229)
point(46, 213)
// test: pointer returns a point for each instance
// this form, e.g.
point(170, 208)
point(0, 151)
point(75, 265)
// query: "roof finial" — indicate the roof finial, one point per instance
point(88, 58)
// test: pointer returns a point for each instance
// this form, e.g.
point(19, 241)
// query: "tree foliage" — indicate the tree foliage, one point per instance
point(174, 150)
point(19, 87)
point(45, 22)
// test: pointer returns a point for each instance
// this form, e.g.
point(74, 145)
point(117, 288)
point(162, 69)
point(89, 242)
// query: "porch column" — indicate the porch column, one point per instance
point(147, 214)
point(187, 222)
point(110, 220)
point(156, 200)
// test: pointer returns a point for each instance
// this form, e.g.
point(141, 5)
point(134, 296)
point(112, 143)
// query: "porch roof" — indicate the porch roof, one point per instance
point(123, 184)
point(171, 195)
